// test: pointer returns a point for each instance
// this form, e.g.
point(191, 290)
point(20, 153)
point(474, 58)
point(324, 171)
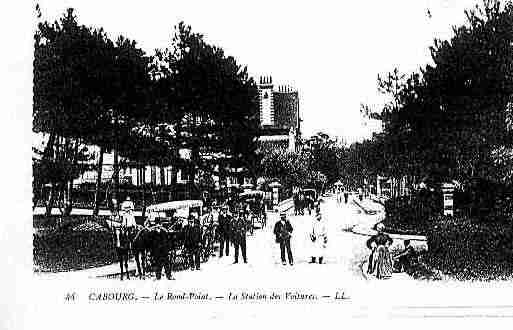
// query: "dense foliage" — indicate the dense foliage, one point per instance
point(467, 248)
point(451, 120)
point(91, 91)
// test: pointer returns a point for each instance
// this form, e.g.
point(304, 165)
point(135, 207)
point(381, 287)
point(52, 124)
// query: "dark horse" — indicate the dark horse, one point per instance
point(122, 246)
point(140, 245)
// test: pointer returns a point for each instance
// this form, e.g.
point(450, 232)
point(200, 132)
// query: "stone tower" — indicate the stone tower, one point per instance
point(266, 100)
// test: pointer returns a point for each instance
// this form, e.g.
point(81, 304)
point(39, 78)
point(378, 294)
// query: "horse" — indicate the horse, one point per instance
point(122, 245)
point(140, 245)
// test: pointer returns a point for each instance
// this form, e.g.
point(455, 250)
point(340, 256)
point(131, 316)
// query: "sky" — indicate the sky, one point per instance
point(331, 51)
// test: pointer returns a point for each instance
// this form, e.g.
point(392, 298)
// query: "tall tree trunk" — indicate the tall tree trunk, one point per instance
point(99, 171)
point(143, 176)
point(174, 175)
point(50, 200)
point(115, 176)
point(162, 176)
point(68, 197)
point(68, 183)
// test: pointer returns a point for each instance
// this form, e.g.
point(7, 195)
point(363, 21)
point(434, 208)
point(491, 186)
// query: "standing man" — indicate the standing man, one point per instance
point(224, 231)
point(283, 232)
point(239, 236)
point(319, 238)
point(159, 238)
point(193, 241)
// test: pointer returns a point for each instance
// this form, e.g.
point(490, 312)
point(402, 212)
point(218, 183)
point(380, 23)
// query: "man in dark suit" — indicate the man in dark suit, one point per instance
point(224, 231)
point(193, 241)
point(240, 227)
point(159, 238)
point(283, 232)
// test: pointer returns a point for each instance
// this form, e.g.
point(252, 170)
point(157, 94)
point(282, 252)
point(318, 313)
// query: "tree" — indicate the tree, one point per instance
point(447, 121)
point(211, 103)
point(66, 67)
point(89, 90)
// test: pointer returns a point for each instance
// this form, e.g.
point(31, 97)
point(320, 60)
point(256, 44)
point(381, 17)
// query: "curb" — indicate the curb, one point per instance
point(366, 231)
point(360, 230)
point(364, 209)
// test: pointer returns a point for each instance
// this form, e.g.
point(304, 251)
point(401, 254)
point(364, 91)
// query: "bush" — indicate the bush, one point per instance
point(410, 214)
point(467, 248)
point(65, 250)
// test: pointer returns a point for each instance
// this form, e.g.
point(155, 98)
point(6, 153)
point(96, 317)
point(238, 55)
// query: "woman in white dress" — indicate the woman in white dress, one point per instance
point(318, 238)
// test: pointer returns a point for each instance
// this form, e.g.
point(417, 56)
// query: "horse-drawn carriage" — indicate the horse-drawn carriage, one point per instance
point(254, 201)
point(173, 214)
point(164, 232)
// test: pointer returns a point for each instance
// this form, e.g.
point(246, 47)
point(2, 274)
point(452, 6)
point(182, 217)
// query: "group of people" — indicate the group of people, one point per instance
point(342, 194)
point(381, 263)
point(318, 236)
point(232, 228)
point(301, 202)
point(231, 225)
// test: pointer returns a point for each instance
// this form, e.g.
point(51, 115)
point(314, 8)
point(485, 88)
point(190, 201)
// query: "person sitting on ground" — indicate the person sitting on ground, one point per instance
point(406, 259)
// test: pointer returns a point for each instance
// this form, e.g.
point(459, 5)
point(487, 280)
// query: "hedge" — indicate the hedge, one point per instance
point(468, 248)
point(66, 250)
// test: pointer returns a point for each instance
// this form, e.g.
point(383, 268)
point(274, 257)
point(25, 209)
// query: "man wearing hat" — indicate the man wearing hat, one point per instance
point(193, 241)
point(239, 236)
point(283, 232)
point(224, 231)
point(159, 238)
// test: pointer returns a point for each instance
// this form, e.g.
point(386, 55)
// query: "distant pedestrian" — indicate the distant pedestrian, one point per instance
point(319, 238)
point(283, 233)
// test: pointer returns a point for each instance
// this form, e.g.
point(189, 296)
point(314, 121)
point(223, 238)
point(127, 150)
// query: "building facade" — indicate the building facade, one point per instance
point(279, 115)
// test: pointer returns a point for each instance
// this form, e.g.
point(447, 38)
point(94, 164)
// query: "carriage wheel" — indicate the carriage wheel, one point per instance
point(180, 261)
